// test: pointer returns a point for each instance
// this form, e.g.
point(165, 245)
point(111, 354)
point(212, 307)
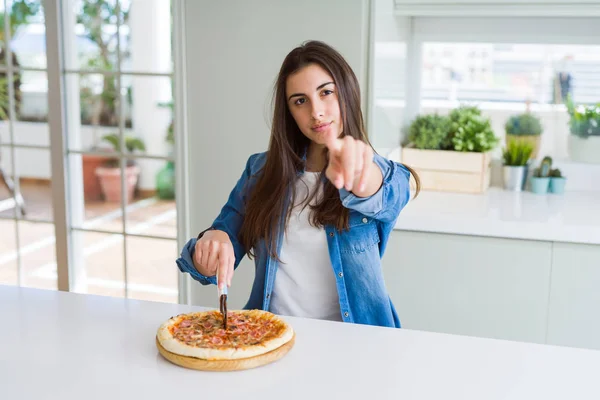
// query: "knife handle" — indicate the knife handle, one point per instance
point(224, 289)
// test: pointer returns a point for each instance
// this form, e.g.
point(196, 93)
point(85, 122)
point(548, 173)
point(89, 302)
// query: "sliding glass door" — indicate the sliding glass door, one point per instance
point(87, 142)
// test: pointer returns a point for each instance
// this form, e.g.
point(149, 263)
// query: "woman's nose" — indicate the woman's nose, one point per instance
point(317, 110)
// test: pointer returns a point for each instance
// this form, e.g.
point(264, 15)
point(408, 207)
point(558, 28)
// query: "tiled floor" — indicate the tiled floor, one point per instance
point(150, 266)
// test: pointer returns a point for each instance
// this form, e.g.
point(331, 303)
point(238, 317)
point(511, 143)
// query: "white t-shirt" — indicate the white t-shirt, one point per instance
point(305, 283)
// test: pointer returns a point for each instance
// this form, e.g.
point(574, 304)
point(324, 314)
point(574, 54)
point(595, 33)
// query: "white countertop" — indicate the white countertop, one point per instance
point(572, 217)
point(58, 345)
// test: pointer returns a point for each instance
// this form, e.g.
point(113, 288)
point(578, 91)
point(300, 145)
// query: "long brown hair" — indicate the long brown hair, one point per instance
point(287, 147)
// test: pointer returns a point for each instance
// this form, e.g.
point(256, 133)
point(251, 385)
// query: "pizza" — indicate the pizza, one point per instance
point(201, 335)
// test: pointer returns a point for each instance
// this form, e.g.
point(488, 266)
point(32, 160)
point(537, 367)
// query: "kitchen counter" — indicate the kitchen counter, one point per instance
point(58, 345)
point(573, 217)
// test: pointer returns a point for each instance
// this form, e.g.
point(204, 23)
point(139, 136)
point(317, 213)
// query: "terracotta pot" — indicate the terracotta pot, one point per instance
point(92, 191)
point(110, 181)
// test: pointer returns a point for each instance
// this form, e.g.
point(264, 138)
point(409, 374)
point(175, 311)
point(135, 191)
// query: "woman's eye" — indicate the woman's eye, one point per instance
point(327, 92)
point(299, 101)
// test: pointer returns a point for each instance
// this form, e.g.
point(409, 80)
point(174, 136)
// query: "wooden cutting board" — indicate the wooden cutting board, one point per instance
point(226, 365)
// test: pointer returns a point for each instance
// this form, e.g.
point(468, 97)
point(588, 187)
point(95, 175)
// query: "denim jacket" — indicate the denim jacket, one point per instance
point(355, 253)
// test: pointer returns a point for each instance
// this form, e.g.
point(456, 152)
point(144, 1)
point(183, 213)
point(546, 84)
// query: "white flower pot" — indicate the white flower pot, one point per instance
point(584, 150)
point(515, 177)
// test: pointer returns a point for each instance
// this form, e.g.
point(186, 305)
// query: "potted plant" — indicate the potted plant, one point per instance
point(540, 181)
point(557, 182)
point(430, 132)
point(516, 158)
point(584, 126)
point(110, 171)
point(470, 131)
point(451, 153)
point(525, 126)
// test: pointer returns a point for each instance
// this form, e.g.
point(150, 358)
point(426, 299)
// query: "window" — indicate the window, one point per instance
point(119, 74)
point(505, 72)
point(504, 65)
point(505, 79)
point(121, 222)
point(26, 210)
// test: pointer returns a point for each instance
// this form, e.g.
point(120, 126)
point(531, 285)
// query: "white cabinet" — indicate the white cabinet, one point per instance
point(532, 291)
point(574, 317)
point(469, 285)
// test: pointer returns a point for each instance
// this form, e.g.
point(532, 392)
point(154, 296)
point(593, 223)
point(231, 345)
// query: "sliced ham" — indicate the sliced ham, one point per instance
point(185, 324)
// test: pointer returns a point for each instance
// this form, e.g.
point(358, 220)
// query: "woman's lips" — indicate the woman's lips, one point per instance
point(321, 127)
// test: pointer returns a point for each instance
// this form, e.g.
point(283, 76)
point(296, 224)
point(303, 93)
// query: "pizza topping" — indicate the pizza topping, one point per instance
point(185, 323)
point(206, 329)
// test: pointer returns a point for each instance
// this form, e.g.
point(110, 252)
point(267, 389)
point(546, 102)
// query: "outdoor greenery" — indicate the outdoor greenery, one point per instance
point(20, 13)
point(131, 144)
point(94, 17)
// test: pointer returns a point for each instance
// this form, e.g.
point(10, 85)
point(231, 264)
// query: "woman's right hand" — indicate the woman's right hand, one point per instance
point(213, 254)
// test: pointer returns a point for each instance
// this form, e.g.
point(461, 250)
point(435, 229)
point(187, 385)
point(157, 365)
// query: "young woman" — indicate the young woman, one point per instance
point(314, 211)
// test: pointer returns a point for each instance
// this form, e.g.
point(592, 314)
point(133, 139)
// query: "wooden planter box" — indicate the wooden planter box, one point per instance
point(450, 171)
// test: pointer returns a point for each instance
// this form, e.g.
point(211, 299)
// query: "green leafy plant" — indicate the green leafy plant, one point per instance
point(94, 17)
point(525, 124)
point(585, 119)
point(470, 131)
point(429, 132)
point(19, 15)
point(3, 99)
point(517, 153)
point(131, 144)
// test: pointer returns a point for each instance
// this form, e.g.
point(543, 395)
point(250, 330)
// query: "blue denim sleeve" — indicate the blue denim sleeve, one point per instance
point(185, 264)
point(385, 204)
point(229, 220)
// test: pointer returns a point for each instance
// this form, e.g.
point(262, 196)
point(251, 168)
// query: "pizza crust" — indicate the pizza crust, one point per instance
point(173, 345)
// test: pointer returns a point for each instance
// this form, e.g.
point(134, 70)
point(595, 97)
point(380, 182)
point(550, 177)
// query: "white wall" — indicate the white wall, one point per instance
point(233, 52)
point(390, 34)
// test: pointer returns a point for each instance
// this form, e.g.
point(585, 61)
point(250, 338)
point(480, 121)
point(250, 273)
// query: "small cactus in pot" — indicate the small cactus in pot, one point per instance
point(540, 181)
point(557, 181)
